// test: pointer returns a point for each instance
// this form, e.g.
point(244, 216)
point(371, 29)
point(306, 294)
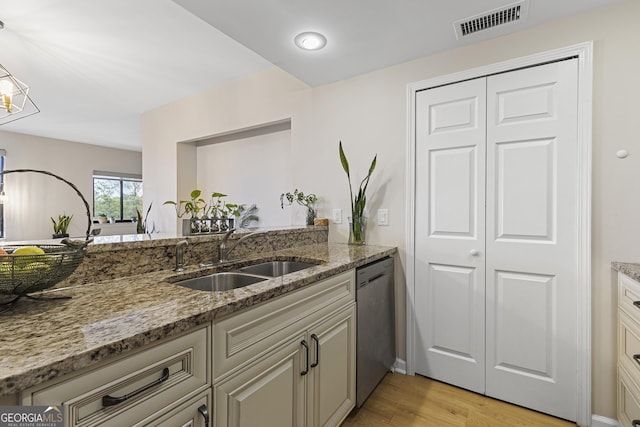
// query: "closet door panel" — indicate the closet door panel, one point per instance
point(532, 240)
point(449, 288)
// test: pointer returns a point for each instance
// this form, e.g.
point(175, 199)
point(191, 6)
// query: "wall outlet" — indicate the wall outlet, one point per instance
point(337, 216)
point(383, 216)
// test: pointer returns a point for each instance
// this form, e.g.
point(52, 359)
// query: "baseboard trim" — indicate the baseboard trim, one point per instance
point(600, 421)
point(400, 366)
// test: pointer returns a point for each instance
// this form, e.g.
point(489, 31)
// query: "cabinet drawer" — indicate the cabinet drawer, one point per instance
point(628, 399)
point(629, 345)
point(186, 415)
point(628, 293)
point(182, 362)
point(245, 335)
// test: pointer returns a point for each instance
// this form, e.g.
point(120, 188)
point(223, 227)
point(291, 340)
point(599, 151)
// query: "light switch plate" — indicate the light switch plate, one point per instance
point(383, 216)
point(337, 216)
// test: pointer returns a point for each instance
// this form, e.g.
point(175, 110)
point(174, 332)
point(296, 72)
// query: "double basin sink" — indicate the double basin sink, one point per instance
point(244, 276)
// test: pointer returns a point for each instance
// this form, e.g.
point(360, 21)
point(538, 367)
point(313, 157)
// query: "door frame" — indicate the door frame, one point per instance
point(584, 53)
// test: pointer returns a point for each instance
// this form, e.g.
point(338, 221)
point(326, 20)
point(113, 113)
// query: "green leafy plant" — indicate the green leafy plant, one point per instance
point(193, 206)
point(62, 224)
point(218, 208)
point(308, 201)
point(358, 202)
point(299, 197)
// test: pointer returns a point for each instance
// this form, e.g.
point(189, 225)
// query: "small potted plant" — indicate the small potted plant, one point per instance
point(193, 206)
point(223, 213)
point(308, 201)
point(247, 216)
point(61, 225)
point(102, 218)
point(357, 223)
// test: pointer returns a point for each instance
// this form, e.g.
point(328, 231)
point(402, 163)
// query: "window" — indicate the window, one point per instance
point(117, 196)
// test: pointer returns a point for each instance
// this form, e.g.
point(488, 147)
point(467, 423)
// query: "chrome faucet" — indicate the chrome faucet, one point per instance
point(180, 255)
point(224, 251)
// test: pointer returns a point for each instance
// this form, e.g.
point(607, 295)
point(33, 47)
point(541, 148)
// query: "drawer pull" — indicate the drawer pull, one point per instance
point(636, 303)
point(636, 357)
point(635, 423)
point(205, 414)
point(315, 338)
point(110, 401)
point(306, 346)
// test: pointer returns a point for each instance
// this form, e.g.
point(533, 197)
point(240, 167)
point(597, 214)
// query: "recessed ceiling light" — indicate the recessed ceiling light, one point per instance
point(310, 41)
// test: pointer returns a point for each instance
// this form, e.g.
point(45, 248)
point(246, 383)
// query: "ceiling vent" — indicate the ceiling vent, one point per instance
point(509, 14)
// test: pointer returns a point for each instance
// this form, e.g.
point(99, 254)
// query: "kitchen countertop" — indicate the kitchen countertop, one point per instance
point(41, 340)
point(630, 269)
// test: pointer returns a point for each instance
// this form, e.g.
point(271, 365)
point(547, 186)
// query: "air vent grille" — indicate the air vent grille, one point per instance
point(511, 13)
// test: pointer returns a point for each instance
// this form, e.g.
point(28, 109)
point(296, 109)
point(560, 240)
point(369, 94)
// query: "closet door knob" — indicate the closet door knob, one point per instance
point(474, 252)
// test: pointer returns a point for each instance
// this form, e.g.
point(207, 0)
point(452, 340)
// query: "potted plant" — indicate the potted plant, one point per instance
point(215, 211)
point(102, 218)
point(61, 225)
point(246, 216)
point(357, 223)
point(222, 212)
point(193, 206)
point(299, 197)
point(141, 225)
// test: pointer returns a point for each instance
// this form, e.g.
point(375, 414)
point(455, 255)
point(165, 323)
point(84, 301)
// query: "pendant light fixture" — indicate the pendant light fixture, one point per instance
point(15, 102)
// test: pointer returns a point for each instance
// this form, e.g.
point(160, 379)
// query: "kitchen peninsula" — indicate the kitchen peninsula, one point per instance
point(123, 302)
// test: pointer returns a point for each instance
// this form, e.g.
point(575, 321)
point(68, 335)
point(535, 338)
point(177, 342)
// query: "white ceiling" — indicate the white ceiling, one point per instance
point(94, 66)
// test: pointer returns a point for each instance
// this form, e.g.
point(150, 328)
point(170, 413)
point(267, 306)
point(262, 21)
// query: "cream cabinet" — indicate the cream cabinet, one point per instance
point(628, 351)
point(331, 381)
point(289, 362)
point(270, 392)
point(132, 390)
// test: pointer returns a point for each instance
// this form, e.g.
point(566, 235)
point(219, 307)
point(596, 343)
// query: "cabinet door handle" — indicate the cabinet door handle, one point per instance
point(306, 346)
point(205, 414)
point(636, 303)
point(110, 401)
point(636, 357)
point(315, 338)
point(635, 423)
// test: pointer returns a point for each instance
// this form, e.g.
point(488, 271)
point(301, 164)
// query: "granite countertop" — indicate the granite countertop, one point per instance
point(115, 242)
point(41, 340)
point(630, 269)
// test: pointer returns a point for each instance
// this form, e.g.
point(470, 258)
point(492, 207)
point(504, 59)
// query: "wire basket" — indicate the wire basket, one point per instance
point(31, 268)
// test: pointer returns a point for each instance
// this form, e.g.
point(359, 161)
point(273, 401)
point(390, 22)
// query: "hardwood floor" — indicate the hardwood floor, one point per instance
point(406, 401)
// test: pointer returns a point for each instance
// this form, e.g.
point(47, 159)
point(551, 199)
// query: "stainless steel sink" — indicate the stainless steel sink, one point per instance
point(276, 268)
point(221, 281)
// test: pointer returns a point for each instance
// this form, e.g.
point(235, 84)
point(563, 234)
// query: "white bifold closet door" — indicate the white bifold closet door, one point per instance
point(496, 236)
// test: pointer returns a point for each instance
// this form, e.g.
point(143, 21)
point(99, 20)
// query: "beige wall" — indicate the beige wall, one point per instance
point(34, 198)
point(238, 168)
point(369, 114)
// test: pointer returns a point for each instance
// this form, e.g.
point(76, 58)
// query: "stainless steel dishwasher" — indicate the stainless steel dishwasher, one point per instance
point(376, 343)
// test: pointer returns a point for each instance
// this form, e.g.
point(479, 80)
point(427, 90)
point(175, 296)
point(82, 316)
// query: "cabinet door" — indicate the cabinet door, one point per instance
point(269, 393)
point(333, 370)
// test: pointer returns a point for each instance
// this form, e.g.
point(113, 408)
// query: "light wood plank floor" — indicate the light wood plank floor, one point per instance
point(406, 401)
